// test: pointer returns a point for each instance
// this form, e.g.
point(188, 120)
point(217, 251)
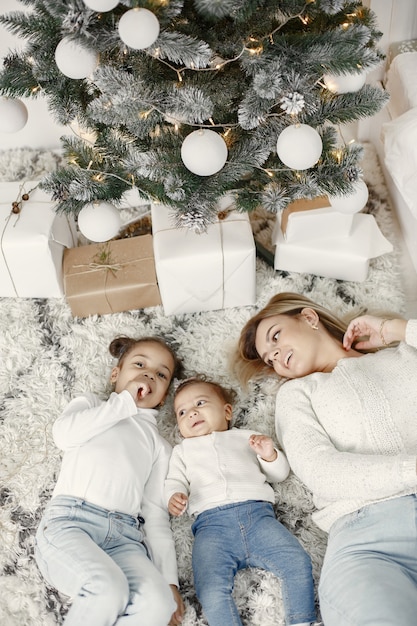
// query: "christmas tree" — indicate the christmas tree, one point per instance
point(189, 101)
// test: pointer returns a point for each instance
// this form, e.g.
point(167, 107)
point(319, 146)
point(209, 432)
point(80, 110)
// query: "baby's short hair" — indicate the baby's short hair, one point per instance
point(225, 393)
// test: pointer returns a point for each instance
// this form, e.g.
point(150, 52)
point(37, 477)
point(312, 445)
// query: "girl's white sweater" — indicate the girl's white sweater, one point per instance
point(114, 457)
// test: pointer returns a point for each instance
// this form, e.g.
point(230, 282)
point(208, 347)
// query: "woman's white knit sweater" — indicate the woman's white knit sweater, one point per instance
point(351, 435)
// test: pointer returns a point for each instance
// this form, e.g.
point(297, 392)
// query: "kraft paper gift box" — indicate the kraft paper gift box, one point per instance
point(307, 219)
point(204, 272)
point(344, 258)
point(32, 242)
point(112, 277)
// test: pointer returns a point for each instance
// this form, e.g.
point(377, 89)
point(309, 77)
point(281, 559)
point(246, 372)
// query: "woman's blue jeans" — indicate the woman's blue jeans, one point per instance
point(236, 536)
point(369, 574)
point(98, 558)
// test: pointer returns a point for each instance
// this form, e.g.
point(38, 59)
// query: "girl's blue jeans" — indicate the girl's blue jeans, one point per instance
point(247, 534)
point(99, 559)
point(369, 574)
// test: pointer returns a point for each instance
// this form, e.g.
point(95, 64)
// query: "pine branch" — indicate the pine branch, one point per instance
point(182, 49)
point(348, 107)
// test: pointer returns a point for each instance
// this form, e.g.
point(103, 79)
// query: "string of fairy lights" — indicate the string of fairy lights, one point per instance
point(204, 151)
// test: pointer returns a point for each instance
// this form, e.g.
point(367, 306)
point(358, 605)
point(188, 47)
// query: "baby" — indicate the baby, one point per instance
point(222, 476)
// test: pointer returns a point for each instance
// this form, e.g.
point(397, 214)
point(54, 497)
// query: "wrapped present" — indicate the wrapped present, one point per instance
point(107, 278)
point(204, 272)
point(344, 258)
point(301, 205)
point(318, 224)
point(33, 240)
point(307, 219)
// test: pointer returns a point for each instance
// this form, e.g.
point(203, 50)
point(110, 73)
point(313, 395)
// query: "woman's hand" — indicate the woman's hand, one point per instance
point(374, 332)
point(177, 503)
point(177, 616)
point(263, 446)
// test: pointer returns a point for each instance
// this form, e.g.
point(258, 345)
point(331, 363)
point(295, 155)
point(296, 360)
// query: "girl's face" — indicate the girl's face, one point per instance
point(290, 344)
point(200, 410)
point(146, 372)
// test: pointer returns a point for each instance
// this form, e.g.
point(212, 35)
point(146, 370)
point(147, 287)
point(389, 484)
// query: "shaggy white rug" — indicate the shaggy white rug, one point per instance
point(47, 357)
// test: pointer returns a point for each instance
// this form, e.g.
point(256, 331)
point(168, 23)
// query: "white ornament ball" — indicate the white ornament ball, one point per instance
point(204, 152)
point(13, 115)
point(344, 83)
point(138, 28)
point(353, 202)
point(226, 203)
point(101, 5)
point(99, 221)
point(74, 60)
point(299, 146)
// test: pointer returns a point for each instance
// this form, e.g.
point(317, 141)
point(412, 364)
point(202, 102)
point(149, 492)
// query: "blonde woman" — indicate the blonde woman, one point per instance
point(346, 417)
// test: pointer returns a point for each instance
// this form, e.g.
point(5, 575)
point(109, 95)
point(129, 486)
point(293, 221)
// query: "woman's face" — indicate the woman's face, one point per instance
point(290, 344)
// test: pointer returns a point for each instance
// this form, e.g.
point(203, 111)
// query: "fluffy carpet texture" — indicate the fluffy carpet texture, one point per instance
point(47, 357)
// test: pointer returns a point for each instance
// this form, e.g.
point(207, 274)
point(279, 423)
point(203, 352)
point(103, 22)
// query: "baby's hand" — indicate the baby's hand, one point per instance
point(264, 446)
point(177, 503)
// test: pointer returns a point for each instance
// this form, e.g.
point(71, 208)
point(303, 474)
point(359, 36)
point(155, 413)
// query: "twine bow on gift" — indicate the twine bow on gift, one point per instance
point(17, 204)
point(113, 268)
point(222, 215)
point(103, 261)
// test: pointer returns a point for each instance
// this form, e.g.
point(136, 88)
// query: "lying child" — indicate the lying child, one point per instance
point(107, 515)
point(221, 474)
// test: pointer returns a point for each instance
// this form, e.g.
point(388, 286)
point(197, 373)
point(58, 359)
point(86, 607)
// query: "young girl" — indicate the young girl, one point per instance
point(105, 537)
point(222, 475)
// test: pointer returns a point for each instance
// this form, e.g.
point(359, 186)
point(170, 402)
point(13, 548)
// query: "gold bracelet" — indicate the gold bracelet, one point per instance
point(381, 334)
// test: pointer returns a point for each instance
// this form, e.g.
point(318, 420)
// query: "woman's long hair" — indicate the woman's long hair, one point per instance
point(246, 362)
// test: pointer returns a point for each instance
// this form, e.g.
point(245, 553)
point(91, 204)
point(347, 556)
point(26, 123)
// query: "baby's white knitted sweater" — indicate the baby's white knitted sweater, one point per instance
point(351, 435)
point(221, 468)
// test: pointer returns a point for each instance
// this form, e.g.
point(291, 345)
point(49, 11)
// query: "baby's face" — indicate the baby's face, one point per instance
point(200, 410)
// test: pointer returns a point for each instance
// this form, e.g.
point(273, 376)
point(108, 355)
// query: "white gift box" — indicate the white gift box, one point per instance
point(32, 243)
point(316, 224)
point(344, 258)
point(204, 272)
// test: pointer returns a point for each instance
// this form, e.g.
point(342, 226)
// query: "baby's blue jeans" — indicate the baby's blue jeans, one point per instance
point(369, 575)
point(98, 558)
point(247, 534)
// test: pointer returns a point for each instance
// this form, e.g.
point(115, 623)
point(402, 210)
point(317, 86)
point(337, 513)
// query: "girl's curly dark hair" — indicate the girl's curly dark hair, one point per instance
point(120, 347)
